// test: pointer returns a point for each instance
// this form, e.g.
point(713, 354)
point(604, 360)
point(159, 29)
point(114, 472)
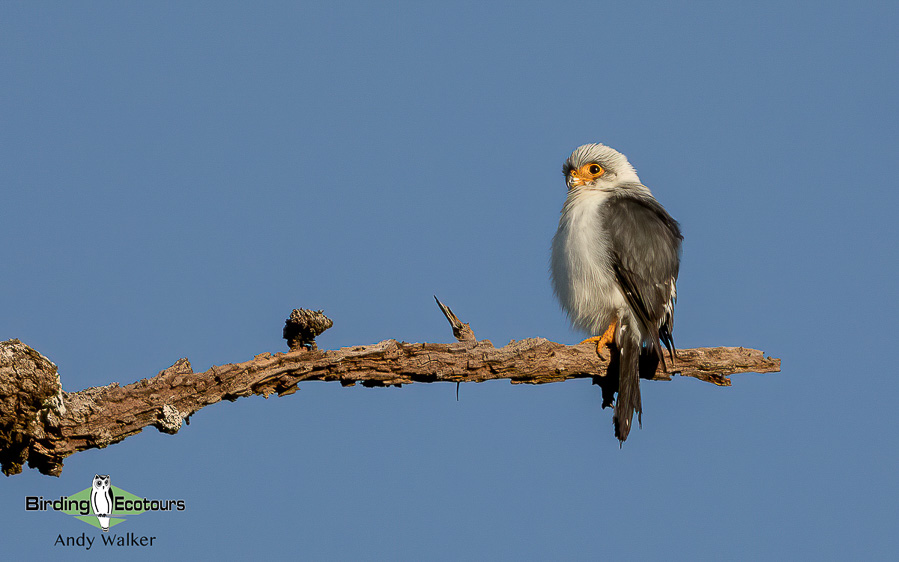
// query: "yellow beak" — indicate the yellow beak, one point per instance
point(574, 180)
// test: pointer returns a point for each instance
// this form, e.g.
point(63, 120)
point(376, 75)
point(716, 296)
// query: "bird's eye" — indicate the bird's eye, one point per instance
point(595, 169)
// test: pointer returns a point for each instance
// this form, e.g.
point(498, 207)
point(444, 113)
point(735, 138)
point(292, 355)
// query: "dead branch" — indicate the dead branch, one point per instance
point(42, 425)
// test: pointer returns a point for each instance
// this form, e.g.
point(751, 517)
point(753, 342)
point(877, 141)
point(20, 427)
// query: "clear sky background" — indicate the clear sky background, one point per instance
point(176, 177)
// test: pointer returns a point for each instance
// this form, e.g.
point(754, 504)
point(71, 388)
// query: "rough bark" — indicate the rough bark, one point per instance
point(41, 424)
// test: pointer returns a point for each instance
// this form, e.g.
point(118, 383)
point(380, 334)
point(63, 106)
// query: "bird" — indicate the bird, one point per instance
point(101, 500)
point(614, 266)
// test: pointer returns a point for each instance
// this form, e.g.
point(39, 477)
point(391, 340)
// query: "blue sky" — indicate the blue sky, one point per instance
point(176, 177)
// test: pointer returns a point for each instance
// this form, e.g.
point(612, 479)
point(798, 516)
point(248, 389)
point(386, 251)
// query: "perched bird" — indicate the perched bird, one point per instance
point(614, 265)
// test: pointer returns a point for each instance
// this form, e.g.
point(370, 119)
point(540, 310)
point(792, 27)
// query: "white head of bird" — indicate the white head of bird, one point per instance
point(597, 166)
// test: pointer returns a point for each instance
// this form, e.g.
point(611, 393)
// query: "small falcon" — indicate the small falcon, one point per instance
point(614, 265)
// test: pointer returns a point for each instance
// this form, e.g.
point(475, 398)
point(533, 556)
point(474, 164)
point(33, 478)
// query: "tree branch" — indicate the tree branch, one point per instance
point(41, 424)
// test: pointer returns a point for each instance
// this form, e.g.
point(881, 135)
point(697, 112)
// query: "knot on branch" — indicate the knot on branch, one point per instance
point(169, 420)
point(303, 326)
point(30, 403)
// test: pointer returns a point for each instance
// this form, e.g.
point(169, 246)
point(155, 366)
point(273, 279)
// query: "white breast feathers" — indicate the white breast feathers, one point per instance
point(581, 268)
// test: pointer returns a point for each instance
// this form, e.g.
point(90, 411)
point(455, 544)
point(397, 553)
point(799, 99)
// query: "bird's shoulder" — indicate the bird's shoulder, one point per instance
point(630, 211)
point(643, 238)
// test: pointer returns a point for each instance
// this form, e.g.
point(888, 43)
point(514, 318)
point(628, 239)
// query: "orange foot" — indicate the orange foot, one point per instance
point(603, 340)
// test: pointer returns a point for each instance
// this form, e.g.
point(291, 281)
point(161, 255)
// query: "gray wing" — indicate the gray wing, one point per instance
point(645, 247)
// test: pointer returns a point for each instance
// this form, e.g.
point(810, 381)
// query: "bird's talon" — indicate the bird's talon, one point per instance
point(606, 339)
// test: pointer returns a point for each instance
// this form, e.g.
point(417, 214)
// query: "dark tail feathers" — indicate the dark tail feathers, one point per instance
point(628, 391)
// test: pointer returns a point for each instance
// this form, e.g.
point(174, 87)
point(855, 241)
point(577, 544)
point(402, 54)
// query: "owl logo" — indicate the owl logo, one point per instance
point(101, 500)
